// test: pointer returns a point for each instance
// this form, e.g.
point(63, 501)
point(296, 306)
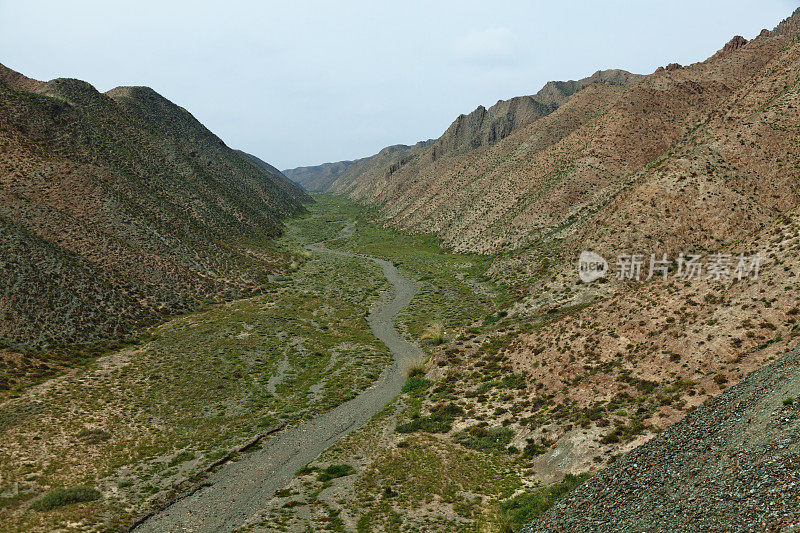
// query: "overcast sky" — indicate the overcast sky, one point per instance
point(301, 83)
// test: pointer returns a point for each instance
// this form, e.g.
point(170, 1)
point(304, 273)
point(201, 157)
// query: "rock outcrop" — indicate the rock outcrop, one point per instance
point(481, 127)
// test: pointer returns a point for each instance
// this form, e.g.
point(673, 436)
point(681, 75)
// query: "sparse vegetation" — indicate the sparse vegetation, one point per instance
point(433, 334)
point(494, 439)
point(416, 383)
point(439, 421)
point(416, 368)
point(206, 381)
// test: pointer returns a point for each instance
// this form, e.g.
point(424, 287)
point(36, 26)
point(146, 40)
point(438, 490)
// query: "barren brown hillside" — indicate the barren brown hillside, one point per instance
point(713, 138)
point(116, 209)
point(696, 159)
point(631, 358)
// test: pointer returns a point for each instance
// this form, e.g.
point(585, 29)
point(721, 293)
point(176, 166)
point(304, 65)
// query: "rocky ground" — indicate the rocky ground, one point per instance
point(731, 465)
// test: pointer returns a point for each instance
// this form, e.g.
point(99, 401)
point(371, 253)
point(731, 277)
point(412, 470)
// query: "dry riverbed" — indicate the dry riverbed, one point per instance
point(238, 490)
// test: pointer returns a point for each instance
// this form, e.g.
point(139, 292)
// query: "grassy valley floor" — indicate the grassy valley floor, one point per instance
point(88, 450)
point(417, 466)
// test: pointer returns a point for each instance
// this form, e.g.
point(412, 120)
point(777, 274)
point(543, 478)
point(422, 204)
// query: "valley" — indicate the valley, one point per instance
point(143, 423)
point(194, 340)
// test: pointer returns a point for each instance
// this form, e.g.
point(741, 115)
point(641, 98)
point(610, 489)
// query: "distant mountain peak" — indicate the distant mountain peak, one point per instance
point(482, 126)
point(486, 126)
point(736, 42)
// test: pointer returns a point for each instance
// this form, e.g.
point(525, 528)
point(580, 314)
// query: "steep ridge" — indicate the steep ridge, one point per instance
point(282, 181)
point(563, 174)
point(119, 208)
point(481, 127)
point(487, 126)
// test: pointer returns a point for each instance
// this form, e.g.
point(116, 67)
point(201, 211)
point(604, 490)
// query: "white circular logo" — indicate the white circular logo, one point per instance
point(591, 266)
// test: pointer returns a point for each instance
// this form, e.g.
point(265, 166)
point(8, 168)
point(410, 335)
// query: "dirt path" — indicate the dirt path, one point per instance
point(239, 489)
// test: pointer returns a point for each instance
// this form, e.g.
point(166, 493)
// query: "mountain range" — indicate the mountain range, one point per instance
point(582, 161)
point(479, 128)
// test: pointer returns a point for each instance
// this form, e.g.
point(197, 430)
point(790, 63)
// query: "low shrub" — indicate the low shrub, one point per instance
point(439, 421)
point(335, 471)
point(514, 381)
point(532, 450)
point(181, 457)
point(93, 436)
point(479, 438)
point(306, 470)
point(434, 334)
point(65, 496)
point(415, 383)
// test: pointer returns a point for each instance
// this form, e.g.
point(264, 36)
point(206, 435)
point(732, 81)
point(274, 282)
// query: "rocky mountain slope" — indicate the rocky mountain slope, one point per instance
point(282, 180)
point(609, 364)
point(732, 465)
point(116, 209)
point(681, 143)
point(481, 127)
point(484, 127)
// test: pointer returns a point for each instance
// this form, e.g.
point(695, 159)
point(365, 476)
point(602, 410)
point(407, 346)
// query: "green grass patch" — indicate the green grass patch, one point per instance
point(455, 289)
point(440, 420)
point(182, 457)
point(532, 450)
point(494, 439)
point(430, 470)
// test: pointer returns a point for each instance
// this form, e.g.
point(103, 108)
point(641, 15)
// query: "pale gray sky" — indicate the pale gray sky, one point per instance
point(301, 82)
